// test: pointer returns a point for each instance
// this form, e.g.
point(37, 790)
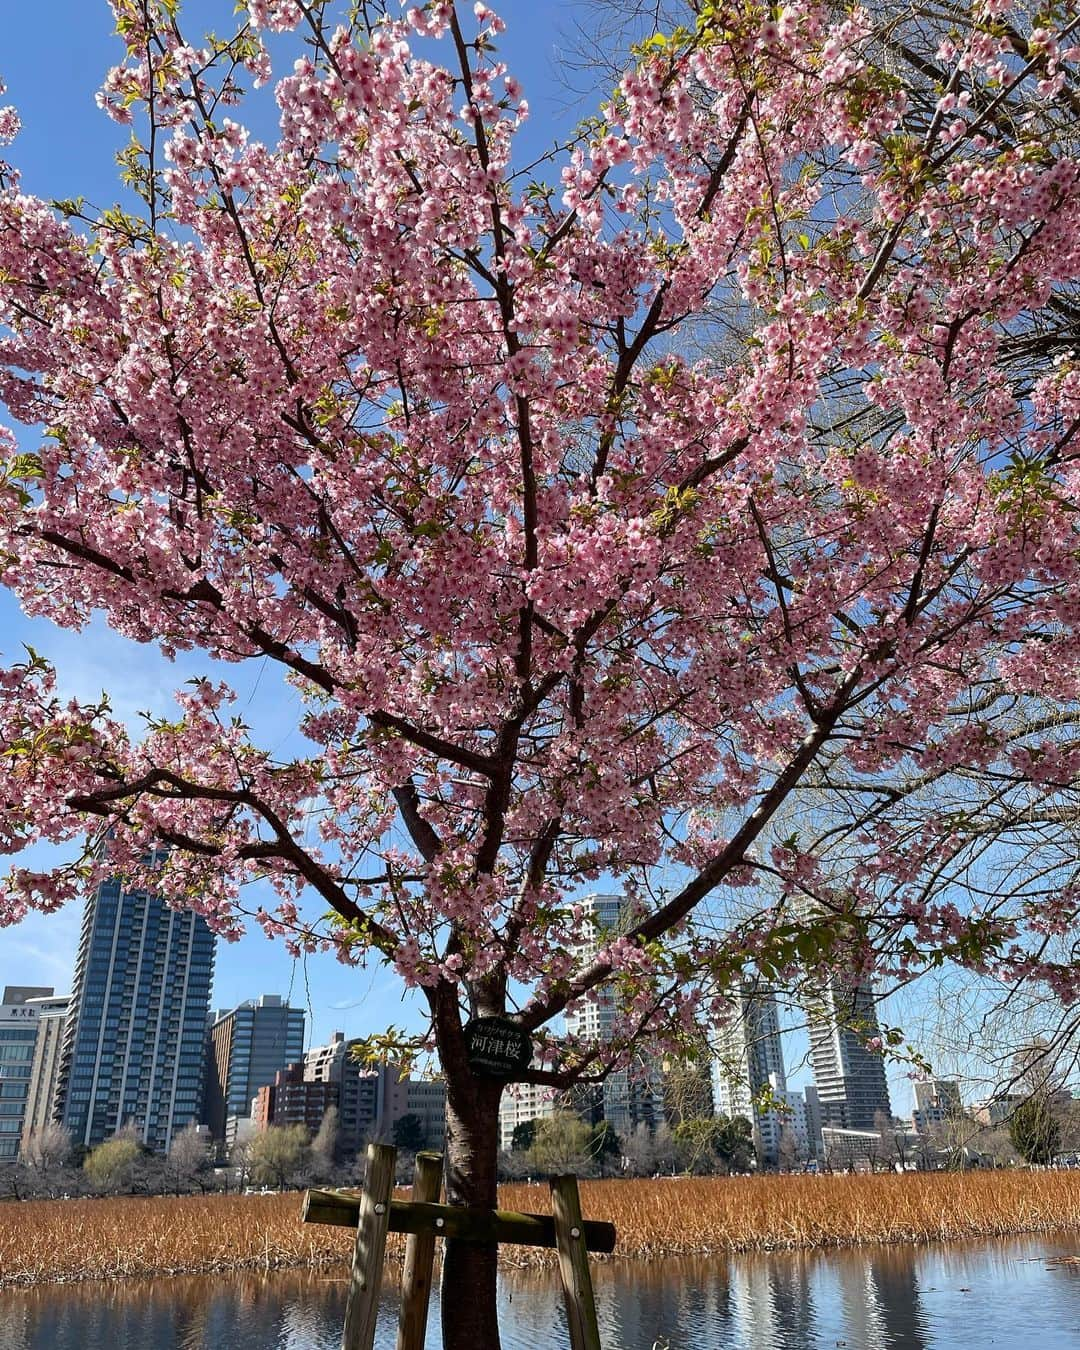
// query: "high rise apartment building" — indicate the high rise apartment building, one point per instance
point(848, 1073)
point(18, 1034)
point(134, 1044)
point(749, 1064)
point(627, 1098)
point(247, 1045)
point(51, 1020)
point(524, 1102)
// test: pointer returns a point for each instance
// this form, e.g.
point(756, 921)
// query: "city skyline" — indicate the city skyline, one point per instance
point(113, 961)
point(768, 1045)
point(137, 676)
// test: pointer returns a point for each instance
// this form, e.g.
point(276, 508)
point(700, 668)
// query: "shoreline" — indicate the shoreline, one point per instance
point(61, 1243)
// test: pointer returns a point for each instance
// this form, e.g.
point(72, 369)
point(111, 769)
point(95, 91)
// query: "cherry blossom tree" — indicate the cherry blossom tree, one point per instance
point(569, 606)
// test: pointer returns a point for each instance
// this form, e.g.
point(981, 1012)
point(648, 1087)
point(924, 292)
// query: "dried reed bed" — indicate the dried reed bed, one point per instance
point(59, 1241)
point(64, 1241)
point(769, 1213)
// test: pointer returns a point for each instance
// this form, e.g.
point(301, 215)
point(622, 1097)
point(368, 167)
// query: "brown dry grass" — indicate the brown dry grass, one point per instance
point(56, 1241)
point(768, 1213)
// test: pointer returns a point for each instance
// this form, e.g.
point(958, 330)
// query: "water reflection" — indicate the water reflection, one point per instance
point(282, 1311)
point(772, 1304)
point(945, 1298)
point(880, 1297)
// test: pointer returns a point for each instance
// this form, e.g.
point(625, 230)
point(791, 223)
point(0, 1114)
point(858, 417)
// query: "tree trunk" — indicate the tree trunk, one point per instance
point(469, 1316)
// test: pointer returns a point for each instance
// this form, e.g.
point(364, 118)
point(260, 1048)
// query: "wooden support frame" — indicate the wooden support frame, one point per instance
point(419, 1258)
point(374, 1213)
point(467, 1225)
point(372, 1222)
point(574, 1264)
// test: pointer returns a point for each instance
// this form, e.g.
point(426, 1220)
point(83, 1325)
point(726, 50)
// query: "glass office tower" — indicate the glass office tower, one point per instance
point(247, 1046)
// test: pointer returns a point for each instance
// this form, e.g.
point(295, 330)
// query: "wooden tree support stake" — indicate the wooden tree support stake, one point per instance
point(419, 1258)
point(362, 1303)
point(374, 1214)
point(574, 1264)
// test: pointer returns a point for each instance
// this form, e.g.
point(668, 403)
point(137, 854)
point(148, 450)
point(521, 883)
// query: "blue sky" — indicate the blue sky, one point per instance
point(53, 58)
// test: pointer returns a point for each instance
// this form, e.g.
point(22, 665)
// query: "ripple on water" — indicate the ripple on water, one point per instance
point(993, 1293)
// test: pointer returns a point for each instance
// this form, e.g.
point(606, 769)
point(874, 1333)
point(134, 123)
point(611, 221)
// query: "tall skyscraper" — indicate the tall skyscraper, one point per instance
point(848, 1074)
point(247, 1046)
point(51, 1020)
point(18, 1033)
point(134, 1046)
point(627, 1098)
point(750, 1062)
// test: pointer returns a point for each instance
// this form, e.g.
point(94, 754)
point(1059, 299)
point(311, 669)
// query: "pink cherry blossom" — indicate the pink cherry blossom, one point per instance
point(572, 599)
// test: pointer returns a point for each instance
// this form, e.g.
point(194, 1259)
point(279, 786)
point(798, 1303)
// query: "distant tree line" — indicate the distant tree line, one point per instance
point(280, 1157)
point(563, 1142)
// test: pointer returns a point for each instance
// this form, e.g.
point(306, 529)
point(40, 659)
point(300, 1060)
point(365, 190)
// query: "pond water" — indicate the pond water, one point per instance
point(1010, 1293)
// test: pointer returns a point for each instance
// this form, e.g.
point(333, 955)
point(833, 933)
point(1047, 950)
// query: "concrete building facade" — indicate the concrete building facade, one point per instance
point(424, 1098)
point(849, 1073)
point(357, 1094)
point(814, 1144)
point(937, 1101)
point(794, 1127)
point(18, 1035)
point(291, 1099)
point(521, 1103)
point(850, 1149)
point(370, 1100)
point(749, 1063)
point(51, 1021)
point(628, 1097)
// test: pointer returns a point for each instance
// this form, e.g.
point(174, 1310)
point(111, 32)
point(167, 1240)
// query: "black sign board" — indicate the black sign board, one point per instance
point(497, 1047)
